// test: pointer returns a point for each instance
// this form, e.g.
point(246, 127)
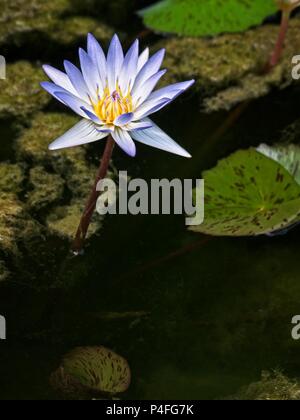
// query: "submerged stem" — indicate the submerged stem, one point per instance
point(285, 18)
point(85, 221)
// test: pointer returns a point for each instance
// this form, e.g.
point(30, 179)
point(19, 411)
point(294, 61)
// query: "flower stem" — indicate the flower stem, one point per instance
point(285, 18)
point(78, 244)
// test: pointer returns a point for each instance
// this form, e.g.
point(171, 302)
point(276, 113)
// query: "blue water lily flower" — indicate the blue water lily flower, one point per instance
point(114, 96)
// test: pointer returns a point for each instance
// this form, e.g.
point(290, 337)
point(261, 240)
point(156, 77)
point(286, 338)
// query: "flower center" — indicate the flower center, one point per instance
point(112, 105)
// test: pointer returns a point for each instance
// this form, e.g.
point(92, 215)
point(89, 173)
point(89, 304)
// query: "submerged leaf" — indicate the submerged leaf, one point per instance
point(92, 370)
point(206, 17)
point(248, 194)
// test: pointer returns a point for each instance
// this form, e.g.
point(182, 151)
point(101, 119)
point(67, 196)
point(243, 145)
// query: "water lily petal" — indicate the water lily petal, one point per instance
point(123, 119)
point(77, 80)
point(59, 78)
point(157, 138)
point(140, 95)
point(97, 55)
point(123, 139)
point(149, 69)
point(143, 58)
point(115, 59)
point(82, 133)
point(53, 89)
point(150, 107)
point(171, 91)
point(74, 103)
point(106, 128)
point(129, 68)
point(90, 75)
point(141, 125)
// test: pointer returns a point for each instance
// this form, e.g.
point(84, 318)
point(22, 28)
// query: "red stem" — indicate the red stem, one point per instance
point(85, 221)
point(285, 18)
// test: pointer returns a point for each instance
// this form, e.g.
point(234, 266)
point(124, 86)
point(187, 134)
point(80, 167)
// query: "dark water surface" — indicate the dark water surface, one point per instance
point(198, 326)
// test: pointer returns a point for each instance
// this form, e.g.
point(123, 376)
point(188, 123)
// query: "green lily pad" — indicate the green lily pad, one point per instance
point(206, 17)
point(286, 155)
point(94, 371)
point(249, 194)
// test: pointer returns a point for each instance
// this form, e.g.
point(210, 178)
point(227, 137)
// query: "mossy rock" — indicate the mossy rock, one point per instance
point(228, 69)
point(11, 178)
point(21, 94)
point(63, 220)
point(32, 145)
point(273, 386)
point(47, 189)
point(33, 22)
point(71, 164)
point(16, 226)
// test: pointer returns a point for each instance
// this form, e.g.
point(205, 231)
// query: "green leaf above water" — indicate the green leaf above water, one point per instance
point(249, 194)
point(93, 371)
point(286, 155)
point(206, 17)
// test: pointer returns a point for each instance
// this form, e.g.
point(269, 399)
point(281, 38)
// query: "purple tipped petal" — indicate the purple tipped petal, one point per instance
point(172, 91)
point(139, 96)
point(123, 139)
point(149, 69)
point(155, 137)
point(77, 80)
point(90, 75)
point(115, 58)
point(141, 125)
point(82, 133)
point(123, 119)
point(143, 58)
point(91, 116)
point(53, 89)
point(150, 107)
point(97, 55)
point(74, 103)
point(59, 78)
point(129, 68)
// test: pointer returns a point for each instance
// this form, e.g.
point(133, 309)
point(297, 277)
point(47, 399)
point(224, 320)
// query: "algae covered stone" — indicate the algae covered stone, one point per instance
point(63, 220)
point(35, 22)
point(11, 178)
point(46, 189)
point(21, 94)
point(16, 226)
point(228, 69)
point(273, 386)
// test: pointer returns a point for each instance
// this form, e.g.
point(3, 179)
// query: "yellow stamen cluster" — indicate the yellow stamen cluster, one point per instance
point(112, 105)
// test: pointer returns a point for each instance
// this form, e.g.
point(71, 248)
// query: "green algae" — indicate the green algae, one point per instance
point(54, 170)
point(21, 94)
point(46, 189)
point(11, 178)
point(27, 22)
point(228, 69)
point(273, 386)
point(16, 226)
point(63, 220)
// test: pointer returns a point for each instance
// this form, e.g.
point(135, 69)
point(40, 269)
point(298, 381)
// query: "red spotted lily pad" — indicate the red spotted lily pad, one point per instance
point(249, 194)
